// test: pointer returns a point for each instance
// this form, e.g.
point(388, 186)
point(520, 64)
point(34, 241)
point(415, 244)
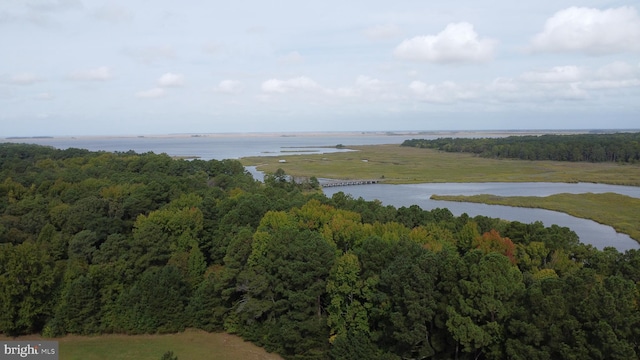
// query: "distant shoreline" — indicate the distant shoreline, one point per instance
point(417, 133)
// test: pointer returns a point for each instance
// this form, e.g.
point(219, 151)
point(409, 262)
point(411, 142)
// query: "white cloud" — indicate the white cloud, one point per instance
point(345, 92)
point(618, 70)
point(610, 76)
point(363, 85)
point(291, 58)
point(171, 80)
point(383, 32)
point(543, 86)
point(24, 79)
point(591, 31)
point(610, 84)
point(368, 83)
point(562, 83)
point(503, 85)
point(229, 87)
point(446, 92)
point(514, 90)
point(457, 43)
point(615, 75)
point(555, 74)
point(101, 73)
point(558, 84)
point(285, 86)
point(151, 93)
point(372, 87)
point(571, 92)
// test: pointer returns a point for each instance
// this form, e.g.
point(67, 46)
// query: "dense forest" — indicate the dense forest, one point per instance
point(97, 242)
point(618, 147)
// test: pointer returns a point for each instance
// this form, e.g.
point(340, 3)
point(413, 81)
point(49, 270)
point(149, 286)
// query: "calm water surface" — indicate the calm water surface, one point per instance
point(590, 232)
point(219, 147)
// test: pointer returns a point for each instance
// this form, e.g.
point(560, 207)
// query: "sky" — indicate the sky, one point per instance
point(119, 67)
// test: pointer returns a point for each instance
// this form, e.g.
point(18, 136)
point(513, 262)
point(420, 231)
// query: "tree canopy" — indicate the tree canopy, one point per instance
point(96, 242)
point(618, 147)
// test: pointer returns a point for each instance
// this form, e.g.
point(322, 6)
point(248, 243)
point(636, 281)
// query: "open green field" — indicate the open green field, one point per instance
point(396, 164)
point(619, 211)
point(189, 345)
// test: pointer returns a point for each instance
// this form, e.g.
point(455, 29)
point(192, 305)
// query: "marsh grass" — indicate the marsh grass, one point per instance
point(618, 211)
point(403, 165)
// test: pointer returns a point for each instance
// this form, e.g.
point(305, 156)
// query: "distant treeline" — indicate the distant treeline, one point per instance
point(97, 242)
point(619, 147)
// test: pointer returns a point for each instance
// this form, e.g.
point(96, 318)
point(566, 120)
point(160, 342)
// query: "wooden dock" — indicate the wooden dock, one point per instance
point(348, 183)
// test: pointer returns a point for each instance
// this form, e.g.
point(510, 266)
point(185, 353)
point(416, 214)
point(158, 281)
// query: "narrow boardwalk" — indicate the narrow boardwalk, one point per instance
point(348, 182)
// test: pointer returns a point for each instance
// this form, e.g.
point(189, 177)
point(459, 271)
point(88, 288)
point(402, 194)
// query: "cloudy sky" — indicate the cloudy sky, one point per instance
point(91, 67)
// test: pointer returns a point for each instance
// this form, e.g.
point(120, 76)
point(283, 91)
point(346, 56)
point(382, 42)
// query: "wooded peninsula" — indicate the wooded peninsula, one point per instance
point(127, 243)
point(617, 147)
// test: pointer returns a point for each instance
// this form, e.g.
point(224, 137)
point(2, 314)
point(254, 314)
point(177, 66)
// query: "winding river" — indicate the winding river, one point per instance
point(590, 232)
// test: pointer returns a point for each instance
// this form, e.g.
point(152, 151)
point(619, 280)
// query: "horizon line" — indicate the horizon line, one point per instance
point(337, 132)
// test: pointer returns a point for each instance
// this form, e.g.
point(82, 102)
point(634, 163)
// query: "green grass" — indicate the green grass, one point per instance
point(189, 345)
point(396, 165)
point(619, 211)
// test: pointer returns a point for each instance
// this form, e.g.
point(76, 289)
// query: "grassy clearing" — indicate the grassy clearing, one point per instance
point(189, 345)
point(396, 164)
point(619, 211)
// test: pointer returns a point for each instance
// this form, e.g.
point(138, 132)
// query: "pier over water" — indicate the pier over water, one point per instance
point(334, 183)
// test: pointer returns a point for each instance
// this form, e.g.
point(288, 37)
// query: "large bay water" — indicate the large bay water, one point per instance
point(236, 146)
point(220, 147)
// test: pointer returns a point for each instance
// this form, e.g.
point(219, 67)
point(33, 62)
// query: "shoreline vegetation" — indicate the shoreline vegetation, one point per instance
point(615, 148)
point(601, 208)
point(393, 164)
point(406, 165)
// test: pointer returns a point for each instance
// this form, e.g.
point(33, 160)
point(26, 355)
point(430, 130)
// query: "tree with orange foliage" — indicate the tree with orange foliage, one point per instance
point(492, 242)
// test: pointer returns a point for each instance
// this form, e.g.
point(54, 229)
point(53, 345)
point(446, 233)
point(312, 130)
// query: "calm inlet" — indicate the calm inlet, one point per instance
point(590, 232)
